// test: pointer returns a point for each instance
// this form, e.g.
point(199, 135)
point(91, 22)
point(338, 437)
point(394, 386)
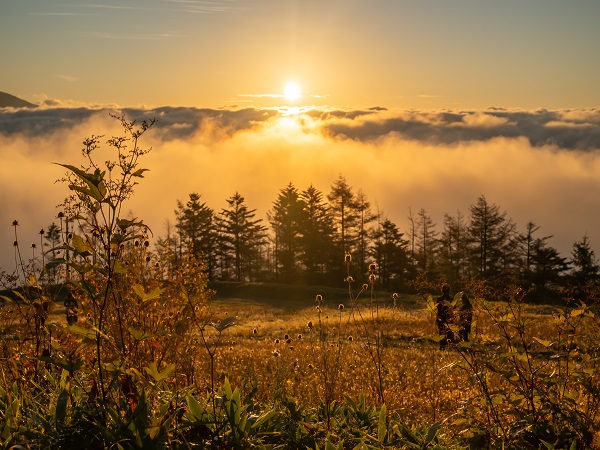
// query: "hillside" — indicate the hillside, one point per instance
point(10, 101)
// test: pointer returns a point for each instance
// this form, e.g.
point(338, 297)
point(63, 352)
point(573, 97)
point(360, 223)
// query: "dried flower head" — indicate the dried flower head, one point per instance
point(148, 259)
point(365, 286)
point(277, 341)
point(42, 232)
point(287, 336)
point(61, 215)
point(372, 278)
point(276, 353)
point(372, 267)
point(349, 279)
point(299, 336)
point(350, 338)
point(15, 243)
point(341, 306)
point(254, 331)
point(15, 223)
point(319, 298)
point(348, 258)
point(395, 296)
point(309, 325)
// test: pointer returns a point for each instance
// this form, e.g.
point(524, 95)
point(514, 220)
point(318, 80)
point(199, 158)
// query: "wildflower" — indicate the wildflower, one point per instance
point(148, 259)
point(341, 306)
point(349, 279)
point(146, 244)
point(61, 215)
point(350, 338)
point(372, 278)
point(319, 298)
point(15, 223)
point(365, 286)
point(32, 245)
point(348, 258)
point(299, 336)
point(42, 231)
point(276, 353)
point(136, 243)
point(372, 267)
point(277, 341)
point(288, 341)
point(395, 296)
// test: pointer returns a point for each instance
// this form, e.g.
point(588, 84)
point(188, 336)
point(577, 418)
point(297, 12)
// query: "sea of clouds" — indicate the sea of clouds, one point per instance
point(539, 166)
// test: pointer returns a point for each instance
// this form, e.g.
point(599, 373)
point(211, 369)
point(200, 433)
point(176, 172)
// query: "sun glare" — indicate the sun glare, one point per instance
point(292, 91)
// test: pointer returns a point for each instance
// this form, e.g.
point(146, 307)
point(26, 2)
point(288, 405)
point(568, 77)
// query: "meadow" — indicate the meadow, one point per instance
point(113, 345)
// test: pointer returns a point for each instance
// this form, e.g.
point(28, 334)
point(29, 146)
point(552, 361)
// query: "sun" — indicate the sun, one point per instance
point(292, 91)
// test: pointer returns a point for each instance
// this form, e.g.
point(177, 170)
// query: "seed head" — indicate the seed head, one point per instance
point(277, 341)
point(365, 286)
point(287, 336)
point(349, 280)
point(42, 232)
point(395, 296)
point(61, 215)
point(341, 306)
point(15, 244)
point(146, 243)
point(309, 324)
point(350, 338)
point(276, 353)
point(148, 259)
point(32, 245)
point(348, 258)
point(15, 223)
point(372, 267)
point(299, 336)
point(372, 278)
point(254, 331)
point(319, 298)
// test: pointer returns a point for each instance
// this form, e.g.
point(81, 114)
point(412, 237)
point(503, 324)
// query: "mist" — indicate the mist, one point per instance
point(539, 166)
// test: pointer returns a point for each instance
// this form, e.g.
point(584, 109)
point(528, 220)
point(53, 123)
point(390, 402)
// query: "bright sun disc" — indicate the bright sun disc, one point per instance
point(292, 91)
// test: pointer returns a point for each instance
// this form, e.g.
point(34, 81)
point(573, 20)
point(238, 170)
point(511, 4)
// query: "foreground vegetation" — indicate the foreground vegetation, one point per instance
point(141, 352)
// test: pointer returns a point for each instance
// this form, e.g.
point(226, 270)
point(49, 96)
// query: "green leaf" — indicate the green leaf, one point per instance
point(83, 248)
point(224, 324)
point(139, 335)
point(432, 433)
point(94, 181)
point(154, 294)
point(139, 172)
point(195, 408)
point(382, 427)
point(542, 342)
point(63, 363)
point(61, 407)
point(152, 370)
point(86, 333)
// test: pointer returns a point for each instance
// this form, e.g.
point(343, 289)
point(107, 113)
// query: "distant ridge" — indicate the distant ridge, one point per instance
point(10, 101)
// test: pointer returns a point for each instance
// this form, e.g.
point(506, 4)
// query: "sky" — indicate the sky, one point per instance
point(419, 104)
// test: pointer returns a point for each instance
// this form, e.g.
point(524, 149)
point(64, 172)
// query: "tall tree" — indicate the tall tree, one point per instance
point(547, 267)
point(196, 228)
point(242, 235)
point(491, 235)
point(584, 262)
point(285, 218)
point(365, 217)
point(453, 246)
point(391, 254)
point(316, 234)
point(426, 240)
point(343, 209)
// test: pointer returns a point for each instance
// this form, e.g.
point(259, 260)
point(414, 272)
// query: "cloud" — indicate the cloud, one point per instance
point(540, 166)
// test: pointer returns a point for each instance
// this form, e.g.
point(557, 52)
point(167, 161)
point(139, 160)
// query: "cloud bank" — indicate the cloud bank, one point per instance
point(541, 166)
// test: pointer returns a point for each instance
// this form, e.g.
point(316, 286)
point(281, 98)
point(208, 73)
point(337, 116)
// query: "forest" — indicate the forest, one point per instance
point(308, 233)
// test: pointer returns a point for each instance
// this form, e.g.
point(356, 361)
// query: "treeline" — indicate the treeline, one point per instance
point(308, 234)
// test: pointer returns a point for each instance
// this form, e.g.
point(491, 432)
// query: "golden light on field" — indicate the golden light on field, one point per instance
point(292, 91)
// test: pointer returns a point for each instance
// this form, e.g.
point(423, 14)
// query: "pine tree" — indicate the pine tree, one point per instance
point(196, 228)
point(242, 236)
point(316, 235)
point(285, 218)
point(584, 262)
